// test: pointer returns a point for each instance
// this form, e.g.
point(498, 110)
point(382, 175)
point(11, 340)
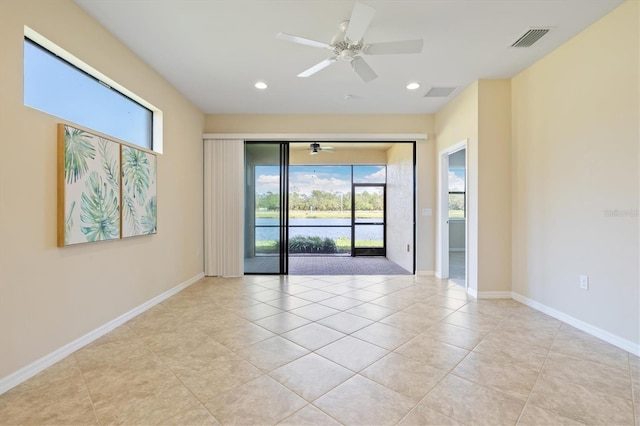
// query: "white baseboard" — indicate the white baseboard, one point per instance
point(494, 295)
point(628, 346)
point(425, 273)
point(472, 292)
point(25, 373)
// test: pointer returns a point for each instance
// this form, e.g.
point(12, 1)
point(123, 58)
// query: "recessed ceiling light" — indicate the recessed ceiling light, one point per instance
point(413, 86)
point(261, 85)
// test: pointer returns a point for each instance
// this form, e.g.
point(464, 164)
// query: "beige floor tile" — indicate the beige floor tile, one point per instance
point(454, 335)
point(272, 353)
point(281, 323)
point(422, 309)
point(309, 416)
point(371, 311)
point(384, 335)
point(315, 295)
point(498, 371)
point(422, 415)
point(362, 295)
point(352, 353)
point(498, 345)
point(345, 322)
point(536, 416)
point(445, 302)
point(314, 312)
point(262, 401)
point(409, 322)
point(404, 375)
point(267, 295)
point(146, 397)
point(197, 416)
point(313, 336)
point(482, 323)
point(258, 311)
point(395, 301)
point(437, 354)
point(181, 346)
point(634, 363)
point(339, 289)
point(55, 396)
point(486, 307)
point(240, 337)
point(377, 405)
point(637, 408)
point(578, 344)
point(341, 303)
point(294, 289)
point(155, 319)
point(226, 372)
point(113, 353)
point(311, 376)
point(579, 403)
point(592, 375)
point(473, 404)
point(288, 303)
point(212, 322)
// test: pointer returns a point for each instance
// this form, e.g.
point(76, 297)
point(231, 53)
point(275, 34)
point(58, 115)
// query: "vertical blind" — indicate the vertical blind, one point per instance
point(224, 207)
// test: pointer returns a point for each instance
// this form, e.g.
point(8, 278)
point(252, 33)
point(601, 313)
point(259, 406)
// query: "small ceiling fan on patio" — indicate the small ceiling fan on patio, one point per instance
point(315, 148)
point(348, 44)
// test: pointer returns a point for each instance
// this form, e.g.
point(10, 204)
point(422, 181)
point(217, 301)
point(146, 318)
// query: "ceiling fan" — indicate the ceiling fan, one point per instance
point(348, 44)
point(315, 148)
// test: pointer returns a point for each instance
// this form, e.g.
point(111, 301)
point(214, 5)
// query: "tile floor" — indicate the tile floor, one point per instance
point(362, 350)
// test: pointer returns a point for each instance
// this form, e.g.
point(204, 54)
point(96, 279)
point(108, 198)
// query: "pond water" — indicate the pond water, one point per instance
point(267, 229)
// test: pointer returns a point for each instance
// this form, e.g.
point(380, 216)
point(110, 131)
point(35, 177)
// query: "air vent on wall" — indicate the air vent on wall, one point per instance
point(530, 37)
point(439, 92)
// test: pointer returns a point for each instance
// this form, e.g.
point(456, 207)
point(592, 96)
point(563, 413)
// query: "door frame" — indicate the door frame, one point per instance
point(442, 253)
point(374, 251)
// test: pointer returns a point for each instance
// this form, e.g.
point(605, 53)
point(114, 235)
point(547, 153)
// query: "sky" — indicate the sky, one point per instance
point(305, 179)
point(456, 180)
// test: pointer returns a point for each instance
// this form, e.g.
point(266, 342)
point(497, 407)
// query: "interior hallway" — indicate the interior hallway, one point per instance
point(362, 350)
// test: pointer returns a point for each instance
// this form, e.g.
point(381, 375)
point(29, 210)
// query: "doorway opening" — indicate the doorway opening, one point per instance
point(453, 214)
point(308, 204)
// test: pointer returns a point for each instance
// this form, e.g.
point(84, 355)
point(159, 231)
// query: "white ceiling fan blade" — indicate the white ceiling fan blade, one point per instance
point(394, 47)
point(361, 17)
point(317, 67)
point(302, 40)
point(363, 69)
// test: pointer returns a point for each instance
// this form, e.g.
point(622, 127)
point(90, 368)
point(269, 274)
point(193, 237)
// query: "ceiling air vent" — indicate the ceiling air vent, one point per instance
point(439, 92)
point(530, 37)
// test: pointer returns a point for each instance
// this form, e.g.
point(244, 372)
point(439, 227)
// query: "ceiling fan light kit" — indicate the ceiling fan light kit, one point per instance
point(348, 44)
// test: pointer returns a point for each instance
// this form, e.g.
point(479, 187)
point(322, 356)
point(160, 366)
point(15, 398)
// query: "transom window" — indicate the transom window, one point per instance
point(57, 87)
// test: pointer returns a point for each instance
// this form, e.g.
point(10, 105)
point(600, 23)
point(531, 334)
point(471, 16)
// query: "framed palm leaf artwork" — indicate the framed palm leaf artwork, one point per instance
point(139, 206)
point(88, 187)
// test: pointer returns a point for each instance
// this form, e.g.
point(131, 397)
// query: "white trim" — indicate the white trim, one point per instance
point(456, 249)
point(627, 345)
point(25, 373)
point(472, 292)
point(425, 273)
point(386, 137)
point(494, 295)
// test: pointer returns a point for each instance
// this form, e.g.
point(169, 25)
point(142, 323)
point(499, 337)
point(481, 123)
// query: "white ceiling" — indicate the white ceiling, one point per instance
point(213, 51)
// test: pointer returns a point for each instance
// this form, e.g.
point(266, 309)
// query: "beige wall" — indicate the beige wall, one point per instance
point(51, 296)
point(399, 216)
point(318, 123)
point(457, 122)
point(348, 157)
point(494, 185)
point(575, 158)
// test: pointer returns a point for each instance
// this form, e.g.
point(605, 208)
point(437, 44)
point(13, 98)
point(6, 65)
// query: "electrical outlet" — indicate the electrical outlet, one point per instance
point(584, 282)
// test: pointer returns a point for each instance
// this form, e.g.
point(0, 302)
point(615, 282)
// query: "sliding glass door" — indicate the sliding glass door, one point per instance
point(368, 218)
point(266, 227)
